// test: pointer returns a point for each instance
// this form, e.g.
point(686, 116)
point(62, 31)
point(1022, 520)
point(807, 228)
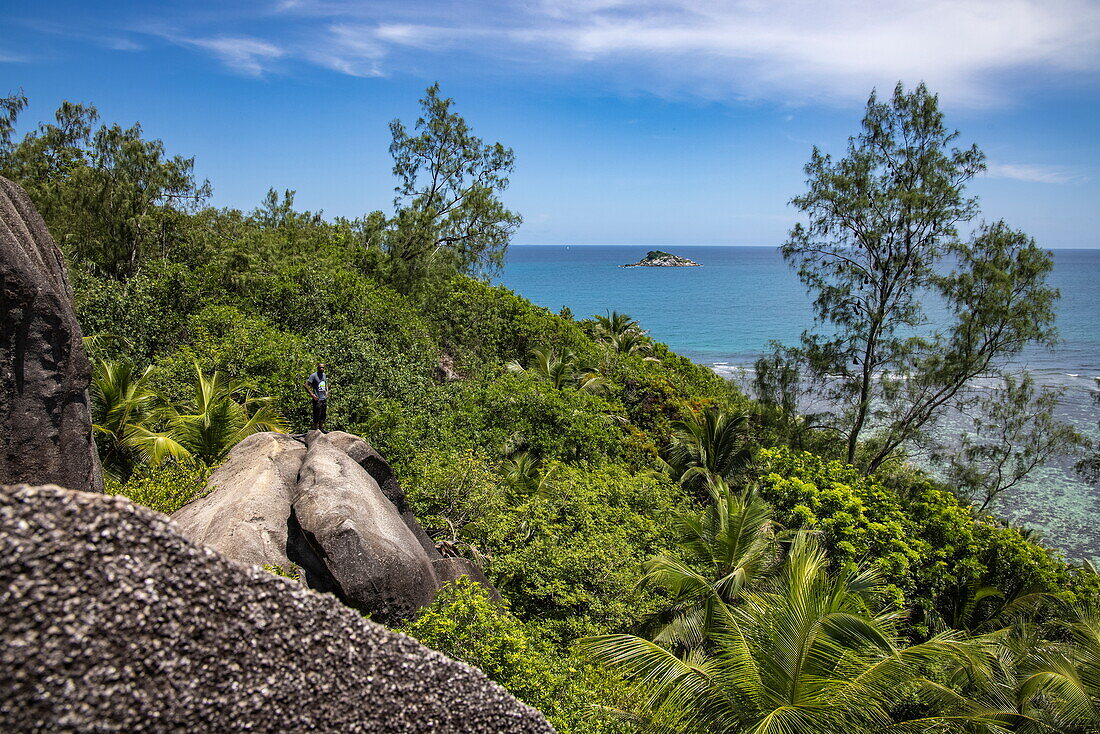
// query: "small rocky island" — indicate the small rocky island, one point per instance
point(660, 259)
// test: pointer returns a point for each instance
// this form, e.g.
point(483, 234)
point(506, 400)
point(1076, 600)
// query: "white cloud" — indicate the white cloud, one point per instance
point(344, 49)
point(972, 52)
point(121, 44)
point(249, 56)
point(1031, 173)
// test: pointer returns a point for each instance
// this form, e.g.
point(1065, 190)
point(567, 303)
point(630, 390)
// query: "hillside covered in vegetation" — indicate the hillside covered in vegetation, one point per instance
point(673, 556)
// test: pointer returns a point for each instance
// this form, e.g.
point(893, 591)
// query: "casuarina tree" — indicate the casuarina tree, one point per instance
point(449, 217)
point(880, 241)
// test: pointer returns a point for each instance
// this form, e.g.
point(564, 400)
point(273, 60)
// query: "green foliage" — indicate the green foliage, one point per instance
point(570, 424)
point(928, 546)
point(164, 488)
point(485, 325)
point(223, 339)
point(148, 312)
point(110, 197)
point(712, 444)
point(805, 651)
point(465, 624)
point(135, 422)
point(293, 573)
point(448, 217)
point(123, 401)
point(561, 370)
point(882, 234)
point(214, 418)
point(453, 489)
point(724, 551)
point(568, 555)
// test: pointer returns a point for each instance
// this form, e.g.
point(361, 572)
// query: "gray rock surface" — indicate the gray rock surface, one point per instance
point(368, 458)
point(45, 420)
point(110, 621)
point(330, 505)
point(256, 483)
point(377, 562)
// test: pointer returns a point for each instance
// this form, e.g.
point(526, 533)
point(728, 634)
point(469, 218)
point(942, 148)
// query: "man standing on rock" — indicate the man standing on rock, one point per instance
point(317, 385)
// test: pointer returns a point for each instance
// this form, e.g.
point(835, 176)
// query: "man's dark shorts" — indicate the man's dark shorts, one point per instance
point(320, 411)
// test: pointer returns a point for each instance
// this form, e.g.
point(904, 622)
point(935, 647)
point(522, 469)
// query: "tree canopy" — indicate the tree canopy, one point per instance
point(447, 210)
point(109, 196)
point(880, 243)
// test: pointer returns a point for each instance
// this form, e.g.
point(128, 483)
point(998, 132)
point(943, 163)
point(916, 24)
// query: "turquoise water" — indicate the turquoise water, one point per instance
point(725, 313)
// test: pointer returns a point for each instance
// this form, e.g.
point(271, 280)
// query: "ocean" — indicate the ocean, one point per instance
point(725, 314)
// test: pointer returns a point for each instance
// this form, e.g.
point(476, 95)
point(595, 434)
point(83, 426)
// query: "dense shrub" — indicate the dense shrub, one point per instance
point(165, 488)
point(244, 347)
point(485, 325)
point(465, 624)
point(929, 544)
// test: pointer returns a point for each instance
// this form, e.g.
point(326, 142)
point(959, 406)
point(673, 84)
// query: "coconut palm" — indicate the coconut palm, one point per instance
point(123, 401)
point(630, 342)
point(1062, 683)
point(522, 471)
point(562, 369)
point(806, 652)
point(1047, 676)
point(615, 324)
point(978, 608)
point(727, 548)
point(220, 414)
point(711, 443)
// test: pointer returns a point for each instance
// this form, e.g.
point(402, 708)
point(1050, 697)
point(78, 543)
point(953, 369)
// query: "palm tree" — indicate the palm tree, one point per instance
point(562, 369)
point(523, 471)
point(727, 548)
point(712, 443)
point(807, 652)
point(1062, 682)
point(123, 402)
point(630, 342)
point(220, 414)
point(977, 608)
point(1048, 676)
point(615, 324)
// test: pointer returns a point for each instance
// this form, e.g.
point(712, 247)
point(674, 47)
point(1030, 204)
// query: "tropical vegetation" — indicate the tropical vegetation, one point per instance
point(673, 555)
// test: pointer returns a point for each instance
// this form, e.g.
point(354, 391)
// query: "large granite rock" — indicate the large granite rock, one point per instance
point(112, 621)
point(368, 458)
point(330, 505)
point(258, 483)
point(377, 563)
point(45, 420)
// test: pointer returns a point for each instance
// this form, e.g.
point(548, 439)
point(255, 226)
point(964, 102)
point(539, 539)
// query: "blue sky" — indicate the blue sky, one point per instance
point(666, 122)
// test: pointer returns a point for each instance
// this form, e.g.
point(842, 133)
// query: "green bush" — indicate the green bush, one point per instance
point(569, 555)
point(927, 542)
point(485, 326)
point(165, 488)
point(463, 623)
point(244, 347)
